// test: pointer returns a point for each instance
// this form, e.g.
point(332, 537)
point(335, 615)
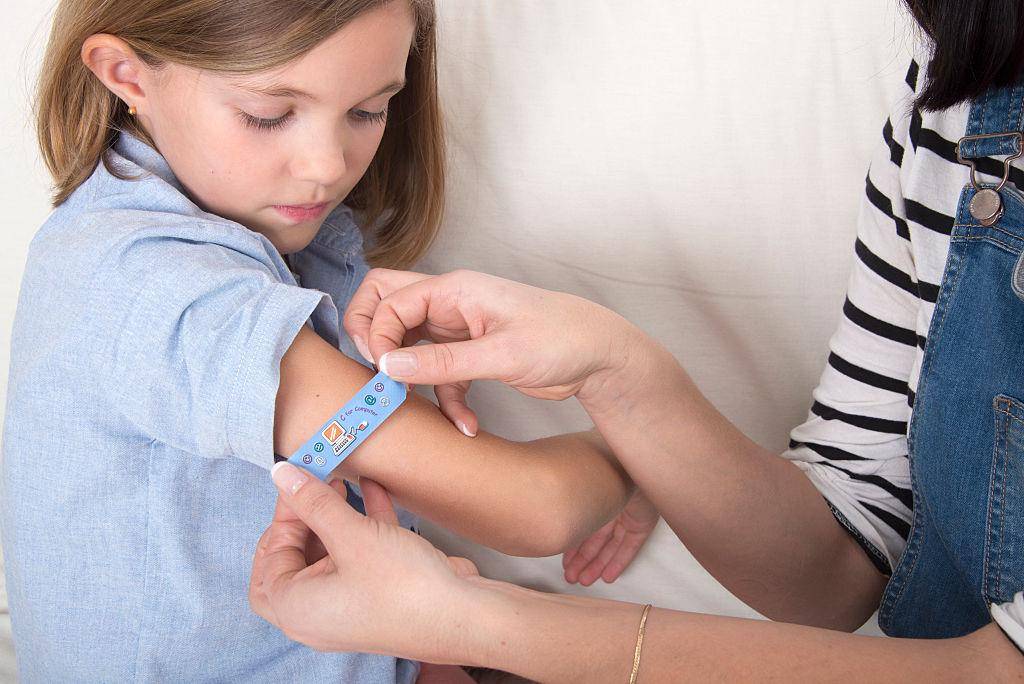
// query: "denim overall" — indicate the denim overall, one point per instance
point(966, 438)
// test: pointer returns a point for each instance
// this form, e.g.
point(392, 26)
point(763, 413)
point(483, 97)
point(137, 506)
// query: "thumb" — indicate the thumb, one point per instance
point(448, 363)
point(318, 505)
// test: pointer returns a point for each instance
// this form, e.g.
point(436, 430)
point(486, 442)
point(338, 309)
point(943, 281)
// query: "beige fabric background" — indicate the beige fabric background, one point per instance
point(696, 166)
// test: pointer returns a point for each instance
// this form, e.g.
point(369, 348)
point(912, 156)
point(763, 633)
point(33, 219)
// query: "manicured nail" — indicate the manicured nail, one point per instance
point(399, 364)
point(288, 477)
point(363, 349)
point(465, 429)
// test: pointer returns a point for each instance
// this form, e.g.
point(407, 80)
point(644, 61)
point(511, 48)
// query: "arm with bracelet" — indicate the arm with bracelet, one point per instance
point(523, 498)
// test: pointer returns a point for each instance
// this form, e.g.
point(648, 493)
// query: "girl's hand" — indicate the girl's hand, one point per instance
point(379, 589)
point(612, 548)
point(545, 344)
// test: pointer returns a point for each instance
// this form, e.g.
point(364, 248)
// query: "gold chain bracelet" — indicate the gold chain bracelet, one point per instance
point(639, 644)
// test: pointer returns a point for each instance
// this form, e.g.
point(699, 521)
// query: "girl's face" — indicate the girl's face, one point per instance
point(277, 151)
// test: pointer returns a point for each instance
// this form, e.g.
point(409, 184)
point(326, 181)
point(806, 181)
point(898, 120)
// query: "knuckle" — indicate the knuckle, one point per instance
point(318, 504)
point(376, 274)
point(445, 359)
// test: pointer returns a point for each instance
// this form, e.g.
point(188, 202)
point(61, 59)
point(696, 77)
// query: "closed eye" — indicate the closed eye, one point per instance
point(264, 124)
point(370, 118)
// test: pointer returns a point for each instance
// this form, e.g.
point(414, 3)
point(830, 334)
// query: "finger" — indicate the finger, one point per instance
point(568, 556)
point(628, 550)
point(317, 505)
point(588, 551)
point(281, 555)
point(452, 401)
point(256, 572)
point(593, 571)
point(377, 284)
point(315, 549)
point(377, 502)
point(436, 301)
point(447, 362)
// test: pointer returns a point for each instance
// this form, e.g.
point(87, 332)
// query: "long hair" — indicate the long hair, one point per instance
point(401, 196)
point(976, 44)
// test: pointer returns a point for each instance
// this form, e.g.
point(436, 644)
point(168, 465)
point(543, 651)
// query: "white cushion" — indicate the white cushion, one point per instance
point(695, 166)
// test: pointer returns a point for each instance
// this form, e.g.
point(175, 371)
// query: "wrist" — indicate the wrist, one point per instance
point(552, 637)
point(634, 373)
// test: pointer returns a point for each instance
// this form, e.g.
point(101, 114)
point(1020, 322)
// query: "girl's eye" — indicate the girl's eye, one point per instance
point(264, 124)
point(364, 117)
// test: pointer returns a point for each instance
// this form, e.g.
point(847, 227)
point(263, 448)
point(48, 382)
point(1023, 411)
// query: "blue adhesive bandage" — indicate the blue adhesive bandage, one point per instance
point(350, 426)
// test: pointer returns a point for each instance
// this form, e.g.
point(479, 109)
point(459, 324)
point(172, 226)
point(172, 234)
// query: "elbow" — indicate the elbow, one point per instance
point(548, 527)
point(538, 539)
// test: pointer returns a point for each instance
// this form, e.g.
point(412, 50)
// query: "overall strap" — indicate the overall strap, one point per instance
point(995, 125)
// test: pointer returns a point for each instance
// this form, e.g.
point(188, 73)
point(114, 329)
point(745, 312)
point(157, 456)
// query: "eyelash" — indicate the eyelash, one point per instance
point(267, 125)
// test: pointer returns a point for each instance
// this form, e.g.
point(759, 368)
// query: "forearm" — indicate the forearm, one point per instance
point(502, 494)
point(524, 498)
point(551, 638)
point(751, 518)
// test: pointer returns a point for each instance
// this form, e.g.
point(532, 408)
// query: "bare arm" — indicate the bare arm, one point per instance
point(751, 518)
point(548, 637)
point(532, 498)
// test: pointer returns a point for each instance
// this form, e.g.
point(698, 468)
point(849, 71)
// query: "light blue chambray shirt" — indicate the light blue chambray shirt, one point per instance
point(139, 430)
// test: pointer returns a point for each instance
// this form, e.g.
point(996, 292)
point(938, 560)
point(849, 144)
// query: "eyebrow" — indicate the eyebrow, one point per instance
point(281, 91)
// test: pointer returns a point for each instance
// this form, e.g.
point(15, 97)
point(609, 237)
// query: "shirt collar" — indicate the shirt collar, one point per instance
point(146, 158)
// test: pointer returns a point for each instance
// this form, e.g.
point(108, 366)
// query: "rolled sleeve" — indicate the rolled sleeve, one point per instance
point(250, 425)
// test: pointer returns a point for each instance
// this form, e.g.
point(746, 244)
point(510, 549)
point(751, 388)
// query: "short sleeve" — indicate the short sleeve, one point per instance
point(195, 361)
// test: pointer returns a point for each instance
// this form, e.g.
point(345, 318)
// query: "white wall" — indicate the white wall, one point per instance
point(23, 181)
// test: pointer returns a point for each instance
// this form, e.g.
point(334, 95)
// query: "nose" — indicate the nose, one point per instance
point(321, 160)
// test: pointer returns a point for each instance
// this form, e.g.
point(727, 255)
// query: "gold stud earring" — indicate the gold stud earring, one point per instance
point(132, 111)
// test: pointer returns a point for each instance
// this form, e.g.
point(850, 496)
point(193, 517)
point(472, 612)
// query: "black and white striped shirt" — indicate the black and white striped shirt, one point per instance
point(853, 446)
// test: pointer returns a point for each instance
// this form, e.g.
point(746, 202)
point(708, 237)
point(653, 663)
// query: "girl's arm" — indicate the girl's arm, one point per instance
point(523, 498)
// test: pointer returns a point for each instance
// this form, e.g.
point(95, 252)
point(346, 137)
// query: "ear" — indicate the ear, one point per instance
point(117, 66)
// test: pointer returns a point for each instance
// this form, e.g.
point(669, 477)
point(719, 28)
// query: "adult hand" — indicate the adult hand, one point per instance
point(380, 588)
point(549, 345)
point(610, 550)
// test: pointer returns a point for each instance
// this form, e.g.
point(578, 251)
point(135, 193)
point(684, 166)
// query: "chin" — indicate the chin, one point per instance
point(293, 240)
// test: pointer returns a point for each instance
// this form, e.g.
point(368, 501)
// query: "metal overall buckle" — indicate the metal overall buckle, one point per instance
point(987, 205)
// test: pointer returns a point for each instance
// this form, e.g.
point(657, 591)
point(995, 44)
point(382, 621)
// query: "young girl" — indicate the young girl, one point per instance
point(178, 327)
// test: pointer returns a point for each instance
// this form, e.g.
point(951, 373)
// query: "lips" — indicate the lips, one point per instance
point(301, 212)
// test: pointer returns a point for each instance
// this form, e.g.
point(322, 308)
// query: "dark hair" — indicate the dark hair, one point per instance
point(977, 44)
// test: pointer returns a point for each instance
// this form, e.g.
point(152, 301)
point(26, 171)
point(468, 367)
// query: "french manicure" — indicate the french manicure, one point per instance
point(399, 364)
point(465, 429)
point(288, 477)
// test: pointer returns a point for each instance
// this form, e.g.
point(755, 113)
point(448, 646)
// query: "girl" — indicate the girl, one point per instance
point(178, 326)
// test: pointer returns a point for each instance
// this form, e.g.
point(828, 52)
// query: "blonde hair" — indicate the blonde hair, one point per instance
point(78, 119)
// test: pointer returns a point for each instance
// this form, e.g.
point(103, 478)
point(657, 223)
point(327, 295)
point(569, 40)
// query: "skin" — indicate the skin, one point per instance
point(751, 518)
point(508, 495)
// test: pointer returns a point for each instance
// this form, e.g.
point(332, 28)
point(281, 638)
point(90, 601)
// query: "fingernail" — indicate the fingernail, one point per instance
point(288, 477)
point(399, 364)
point(363, 349)
point(465, 429)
